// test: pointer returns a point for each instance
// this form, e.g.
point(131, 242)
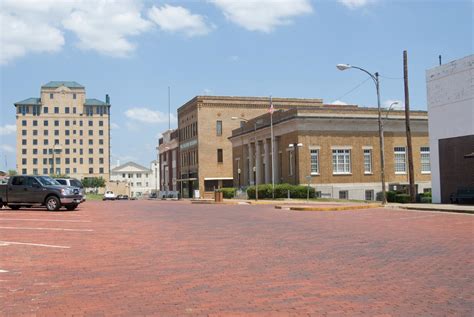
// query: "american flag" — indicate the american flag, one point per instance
point(271, 109)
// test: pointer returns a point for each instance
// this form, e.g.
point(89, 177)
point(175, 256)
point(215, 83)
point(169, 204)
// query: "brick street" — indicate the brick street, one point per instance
point(167, 258)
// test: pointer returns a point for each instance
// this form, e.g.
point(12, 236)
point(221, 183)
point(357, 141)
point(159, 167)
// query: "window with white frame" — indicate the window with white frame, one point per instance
point(425, 159)
point(367, 161)
point(341, 161)
point(314, 161)
point(400, 160)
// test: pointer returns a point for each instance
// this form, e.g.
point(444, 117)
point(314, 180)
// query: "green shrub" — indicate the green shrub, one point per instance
point(402, 198)
point(425, 200)
point(391, 196)
point(228, 193)
point(281, 191)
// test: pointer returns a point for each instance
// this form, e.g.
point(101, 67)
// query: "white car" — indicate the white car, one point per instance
point(109, 195)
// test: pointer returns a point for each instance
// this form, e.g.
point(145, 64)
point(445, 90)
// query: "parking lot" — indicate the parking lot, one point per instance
point(172, 258)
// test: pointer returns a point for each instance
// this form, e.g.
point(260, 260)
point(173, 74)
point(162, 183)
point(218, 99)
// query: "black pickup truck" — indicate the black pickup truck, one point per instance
point(28, 191)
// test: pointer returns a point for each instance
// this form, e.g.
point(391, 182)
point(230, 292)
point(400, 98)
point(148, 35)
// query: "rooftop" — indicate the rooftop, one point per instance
point(29, 101)
point(68, 84)
point(94, 102)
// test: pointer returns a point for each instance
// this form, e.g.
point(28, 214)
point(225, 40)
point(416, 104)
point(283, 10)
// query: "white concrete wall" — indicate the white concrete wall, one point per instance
point(450, 95)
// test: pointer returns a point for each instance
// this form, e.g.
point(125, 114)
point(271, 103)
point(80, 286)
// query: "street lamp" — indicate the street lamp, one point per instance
point(295, 146)
point(254, 168)
point(390, 109)
point(375, 78)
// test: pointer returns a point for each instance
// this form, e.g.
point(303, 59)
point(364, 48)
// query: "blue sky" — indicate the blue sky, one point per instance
point(133, 50)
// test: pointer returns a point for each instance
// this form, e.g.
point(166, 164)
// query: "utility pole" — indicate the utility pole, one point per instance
point(408, 130)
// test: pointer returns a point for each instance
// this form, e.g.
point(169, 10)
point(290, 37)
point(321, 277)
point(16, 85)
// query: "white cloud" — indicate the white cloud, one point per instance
point(234, 58)
point(8, 129)
point(7, 148)
point(32, 26)
point(263, 15)
point(355, 4)
point(148, 116)
point(104, 26)
point(400, 106)
point(179, 19)
point(206, 92)
point(339, 103)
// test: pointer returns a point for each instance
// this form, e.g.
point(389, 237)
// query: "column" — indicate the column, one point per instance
point(276, 160)
point(244, 173)
point(268, 172)
point(258, 162)
point(251, 165)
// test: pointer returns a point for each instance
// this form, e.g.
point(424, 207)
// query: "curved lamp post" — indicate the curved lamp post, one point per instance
point(375, 78)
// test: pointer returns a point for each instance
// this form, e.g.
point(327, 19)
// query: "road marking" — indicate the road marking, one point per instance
point(34, 244)
point(55, 220)
point(52, 229)
point(3, 271)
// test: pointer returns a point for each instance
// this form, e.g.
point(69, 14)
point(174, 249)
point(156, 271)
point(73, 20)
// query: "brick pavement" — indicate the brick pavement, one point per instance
point(177, 259)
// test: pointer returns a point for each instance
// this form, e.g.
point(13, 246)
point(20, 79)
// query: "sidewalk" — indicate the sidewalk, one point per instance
point(435, 207)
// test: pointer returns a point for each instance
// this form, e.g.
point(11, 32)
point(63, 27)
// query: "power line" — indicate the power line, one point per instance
point(357, 86)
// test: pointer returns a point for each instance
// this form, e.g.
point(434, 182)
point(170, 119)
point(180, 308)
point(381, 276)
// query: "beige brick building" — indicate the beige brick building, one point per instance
point(334, 148)
point(205, 123)
point(62, 132)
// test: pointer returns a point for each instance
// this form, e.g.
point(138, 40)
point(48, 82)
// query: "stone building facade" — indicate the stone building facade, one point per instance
point(63, 132)
point(168, 153)
point(333, 148)
point(204, 125)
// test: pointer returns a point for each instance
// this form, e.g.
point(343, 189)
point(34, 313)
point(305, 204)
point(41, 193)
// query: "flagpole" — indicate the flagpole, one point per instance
point(273, 153)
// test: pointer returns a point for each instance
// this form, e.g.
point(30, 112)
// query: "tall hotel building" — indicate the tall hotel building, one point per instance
point(62, 132)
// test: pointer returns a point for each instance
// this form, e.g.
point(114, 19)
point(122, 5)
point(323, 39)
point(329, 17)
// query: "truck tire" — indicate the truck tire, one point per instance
point(71, 207)
point(52, 203)
point(14, 207)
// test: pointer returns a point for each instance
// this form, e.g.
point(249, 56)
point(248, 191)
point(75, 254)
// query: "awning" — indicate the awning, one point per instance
point(471, 155)
point(187, 179)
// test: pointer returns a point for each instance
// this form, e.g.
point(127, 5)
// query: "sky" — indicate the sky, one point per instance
point(134, 50)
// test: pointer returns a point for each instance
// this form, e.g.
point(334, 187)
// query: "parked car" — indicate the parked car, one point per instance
point(73, 183)
point(122, 197)
point(109, 195)
point(29, 191)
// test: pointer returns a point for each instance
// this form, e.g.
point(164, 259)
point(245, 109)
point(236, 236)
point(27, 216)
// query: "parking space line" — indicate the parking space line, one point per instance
point(52, 229)
point(5, 243)
point(49, 220)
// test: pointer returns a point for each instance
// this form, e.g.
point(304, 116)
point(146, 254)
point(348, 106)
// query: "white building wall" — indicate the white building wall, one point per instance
point(450, 95)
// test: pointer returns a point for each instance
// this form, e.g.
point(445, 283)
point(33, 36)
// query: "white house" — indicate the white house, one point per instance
point(142, 180)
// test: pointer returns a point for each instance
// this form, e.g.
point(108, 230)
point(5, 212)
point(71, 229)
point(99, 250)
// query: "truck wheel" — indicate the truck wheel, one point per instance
point(52, 203)
point(71, 207)
point(14, 207)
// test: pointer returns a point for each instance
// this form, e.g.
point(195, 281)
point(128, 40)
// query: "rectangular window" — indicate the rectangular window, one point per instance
point(400, 160)
point(23, 123)
point(66, 109)
point(35, 132)
point(66, 123)
point(23, 132)
point(56, 123)
point(341, 161)
point(51, 96)
point(314, 161)
point(101, 132)
point(45, 109)
point(35, 123)
point(45, 123)
point(56, 109)
point(367, 161)
point(91, 132)
point(35, 151)
point(91, 151)
point(91, 141)
point(56, 132)
point(74, 96)
point(23, 142)
point(35, 141)
point(369, 194)
point(45, 171)
point(218, 128)
point(91, 170)
point(101, 123)
point(220, 158)
point(91, 160)
point(101, 170)
point(23, 151)
point(425, 160)
point(91, 123)
point(343, 194)
point(101, 151)
point(45, 142)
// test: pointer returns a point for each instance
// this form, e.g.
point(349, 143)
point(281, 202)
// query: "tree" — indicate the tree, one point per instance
point(93, 182)
point(12, 172)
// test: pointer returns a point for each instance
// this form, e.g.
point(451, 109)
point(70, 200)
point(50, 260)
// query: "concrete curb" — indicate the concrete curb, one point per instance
point(434, 209)
point(328, 208)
